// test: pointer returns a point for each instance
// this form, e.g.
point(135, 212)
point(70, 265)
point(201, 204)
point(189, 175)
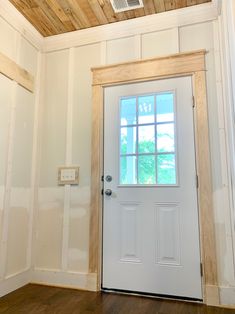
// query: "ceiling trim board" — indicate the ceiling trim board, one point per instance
point(146, 24)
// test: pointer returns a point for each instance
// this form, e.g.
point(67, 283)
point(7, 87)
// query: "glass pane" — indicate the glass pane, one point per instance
point(165, 138)
point(128, 170)
point(165, 107)
point(128, 111)
point(146, 109)
point(146, 169)
point(128, 140)
point(166, 173)
point(146, 139)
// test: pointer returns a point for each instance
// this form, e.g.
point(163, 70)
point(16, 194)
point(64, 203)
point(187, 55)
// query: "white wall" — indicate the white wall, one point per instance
point(69, 207)
point(59, 223)
point(17, 115)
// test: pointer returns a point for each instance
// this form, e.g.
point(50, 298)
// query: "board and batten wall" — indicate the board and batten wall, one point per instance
point(53, 239)
point(18, 110)
point(62, 242)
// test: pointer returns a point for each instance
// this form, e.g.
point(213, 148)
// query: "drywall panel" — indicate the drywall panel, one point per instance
point(23, 139)
point(120, 50)
point(53, 151)
point(54, 119)
point(49, 228)
point(28, 56)
point(79, 229)
point(7, 39)
point(160, 43)
point(84, 58)
point(5, 111)
point(17, 243)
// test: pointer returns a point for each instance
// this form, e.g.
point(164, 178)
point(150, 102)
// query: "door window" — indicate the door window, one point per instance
point(148, 139)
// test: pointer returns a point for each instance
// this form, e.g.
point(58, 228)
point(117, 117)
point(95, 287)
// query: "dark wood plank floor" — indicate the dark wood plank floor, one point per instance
point(50, 300)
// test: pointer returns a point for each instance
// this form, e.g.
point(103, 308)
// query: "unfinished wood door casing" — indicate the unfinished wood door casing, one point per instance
point(183, 64)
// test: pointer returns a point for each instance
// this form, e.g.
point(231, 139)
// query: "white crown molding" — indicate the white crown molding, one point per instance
point(156, 22)
point(12, 16)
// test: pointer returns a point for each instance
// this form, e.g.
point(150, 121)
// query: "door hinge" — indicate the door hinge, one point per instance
point(102, 192)
point(102, 178)
point(201, 269)
point(197, 181)
point(193, 101)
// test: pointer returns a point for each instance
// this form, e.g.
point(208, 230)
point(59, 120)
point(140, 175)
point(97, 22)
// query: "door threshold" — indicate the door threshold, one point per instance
point(152, 295)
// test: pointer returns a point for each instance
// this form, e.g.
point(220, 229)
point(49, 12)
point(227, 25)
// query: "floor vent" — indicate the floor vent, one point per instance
point(125, 5)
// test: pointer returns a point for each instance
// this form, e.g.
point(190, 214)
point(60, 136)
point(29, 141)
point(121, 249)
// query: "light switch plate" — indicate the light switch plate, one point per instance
point(68, 175)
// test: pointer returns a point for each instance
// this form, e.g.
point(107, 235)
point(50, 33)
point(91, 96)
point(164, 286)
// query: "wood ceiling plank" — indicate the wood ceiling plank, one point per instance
point(130, 14)
point(88, 12)
point(44, 20)
point(33, 18)
point(170, 5)
point(139, 12)
point(79, 14)
point(191, 2)
point(68, 11)
point(24, 4)
point(149, 7)
point(121, 16)
point(108, 10)
point(202, 1)
point(180, 4)
point(159, 6)
point(99, 13)
point(60, 13)
point(48, 10)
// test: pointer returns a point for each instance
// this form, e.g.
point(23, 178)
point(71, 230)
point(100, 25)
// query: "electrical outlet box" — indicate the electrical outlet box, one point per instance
point(68, 175)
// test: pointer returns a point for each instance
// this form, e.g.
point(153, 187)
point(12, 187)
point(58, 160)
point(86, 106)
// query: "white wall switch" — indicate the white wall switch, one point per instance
point(68, 175)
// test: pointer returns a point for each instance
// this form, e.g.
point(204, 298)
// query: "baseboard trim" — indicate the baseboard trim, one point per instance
point(73, 280)
point(227, 296)
point(212, 296)
point(14, 282)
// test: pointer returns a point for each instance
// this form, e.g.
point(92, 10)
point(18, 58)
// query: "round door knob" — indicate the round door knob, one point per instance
point(108, 192)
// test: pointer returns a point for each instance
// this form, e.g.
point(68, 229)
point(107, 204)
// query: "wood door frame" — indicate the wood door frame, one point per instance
point(177, 65)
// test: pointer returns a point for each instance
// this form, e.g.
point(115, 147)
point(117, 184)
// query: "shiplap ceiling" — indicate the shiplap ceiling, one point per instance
point(52, 17)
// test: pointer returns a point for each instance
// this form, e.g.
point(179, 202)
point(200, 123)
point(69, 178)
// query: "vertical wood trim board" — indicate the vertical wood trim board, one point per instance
point(206, 215)
point(182, 64)
point(13, 71)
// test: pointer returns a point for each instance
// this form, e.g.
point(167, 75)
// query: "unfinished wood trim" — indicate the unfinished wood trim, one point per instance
point(207, 230)
point(97, 170)
point(177, 64)
point(192, 64)
point(13, 71)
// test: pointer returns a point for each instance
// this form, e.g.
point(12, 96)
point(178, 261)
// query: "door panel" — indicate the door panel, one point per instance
point(150, 221)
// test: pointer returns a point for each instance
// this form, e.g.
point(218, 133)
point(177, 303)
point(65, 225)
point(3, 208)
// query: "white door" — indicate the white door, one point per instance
point(150, 221)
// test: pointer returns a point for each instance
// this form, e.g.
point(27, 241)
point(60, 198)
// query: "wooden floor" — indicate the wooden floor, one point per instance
point(41, 299)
